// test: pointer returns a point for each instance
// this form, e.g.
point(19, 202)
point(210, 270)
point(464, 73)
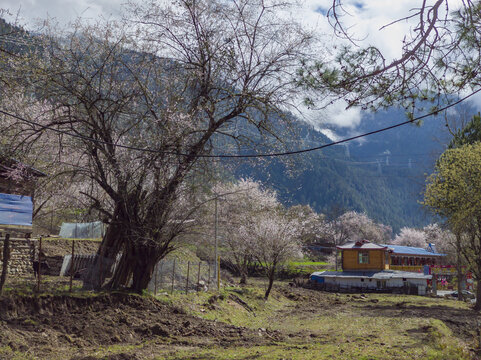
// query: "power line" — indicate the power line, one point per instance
point(247, 156)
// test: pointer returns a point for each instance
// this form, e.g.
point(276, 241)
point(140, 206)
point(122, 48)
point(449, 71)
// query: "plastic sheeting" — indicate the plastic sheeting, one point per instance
point(90, 230)
point(16, 210)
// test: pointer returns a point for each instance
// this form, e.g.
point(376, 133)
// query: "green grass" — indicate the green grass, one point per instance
point(312, 325)
point(7, 353)
point(345, 333)
point(308, 263)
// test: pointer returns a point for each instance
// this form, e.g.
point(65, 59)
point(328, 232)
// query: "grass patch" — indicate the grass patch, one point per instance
point(7, 353)
point(308, 263)
point(352, 331)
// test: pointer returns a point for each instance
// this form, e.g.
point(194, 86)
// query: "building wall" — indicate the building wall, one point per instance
point(350, 260)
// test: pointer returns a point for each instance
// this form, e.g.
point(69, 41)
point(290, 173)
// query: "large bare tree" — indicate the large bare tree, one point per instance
point(137, 105)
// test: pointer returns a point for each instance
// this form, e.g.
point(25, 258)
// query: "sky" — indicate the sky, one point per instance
point(365, 18)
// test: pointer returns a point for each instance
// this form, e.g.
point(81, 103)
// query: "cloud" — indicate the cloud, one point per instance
point(335, 115)
point(34, 12)
point(330, 134)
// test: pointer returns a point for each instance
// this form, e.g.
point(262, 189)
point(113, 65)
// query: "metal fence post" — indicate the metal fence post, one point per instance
point(161, 274)
point(187, 279)
point(218, 273)
point(208, 276)
point(198, 276)
point(173, 277)
point(71, 265)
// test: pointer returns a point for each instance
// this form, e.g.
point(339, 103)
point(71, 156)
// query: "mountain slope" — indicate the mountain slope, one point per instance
point(382, 175)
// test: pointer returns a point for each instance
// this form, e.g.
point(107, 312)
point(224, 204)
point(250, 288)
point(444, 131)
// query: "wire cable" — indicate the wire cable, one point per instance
point(246, 156)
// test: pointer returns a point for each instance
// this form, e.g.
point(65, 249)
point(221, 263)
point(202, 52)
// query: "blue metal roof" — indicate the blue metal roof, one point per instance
point(410, 250)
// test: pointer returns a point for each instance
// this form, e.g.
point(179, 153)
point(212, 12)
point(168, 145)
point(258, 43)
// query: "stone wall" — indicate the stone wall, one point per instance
point(21, 256)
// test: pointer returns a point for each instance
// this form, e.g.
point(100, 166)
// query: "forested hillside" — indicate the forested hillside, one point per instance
point(382, 175)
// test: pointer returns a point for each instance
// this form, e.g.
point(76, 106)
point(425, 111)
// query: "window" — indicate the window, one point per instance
point(363, 257)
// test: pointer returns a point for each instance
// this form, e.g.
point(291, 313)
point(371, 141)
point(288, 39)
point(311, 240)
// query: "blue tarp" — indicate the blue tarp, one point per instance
point(16, 210)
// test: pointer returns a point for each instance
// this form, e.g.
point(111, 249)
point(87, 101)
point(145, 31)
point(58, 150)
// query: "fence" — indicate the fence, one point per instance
point(178, 275)
point(169, 274)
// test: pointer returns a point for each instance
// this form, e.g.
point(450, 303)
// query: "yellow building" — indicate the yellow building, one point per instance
point(364, 255)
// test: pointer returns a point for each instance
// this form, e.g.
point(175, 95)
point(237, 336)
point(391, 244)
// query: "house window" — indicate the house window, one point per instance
point(363, 257)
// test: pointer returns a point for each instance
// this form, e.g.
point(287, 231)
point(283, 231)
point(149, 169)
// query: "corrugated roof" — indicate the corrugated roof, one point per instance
point(377, 275)
point(362, 245)
point(411, 250)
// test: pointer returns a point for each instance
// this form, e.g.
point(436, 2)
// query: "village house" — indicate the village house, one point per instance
point(17, 190)
point(371, 267)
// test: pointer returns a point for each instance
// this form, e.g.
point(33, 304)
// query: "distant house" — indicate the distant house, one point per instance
point(17, 191)
point(368, 267)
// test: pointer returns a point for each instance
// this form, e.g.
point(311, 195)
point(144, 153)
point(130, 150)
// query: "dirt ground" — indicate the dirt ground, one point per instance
point(126, 326)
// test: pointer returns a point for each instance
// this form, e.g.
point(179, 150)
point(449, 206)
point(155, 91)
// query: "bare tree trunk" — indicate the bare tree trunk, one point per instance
point(107, 252)
point(5, 259)
point(122, 273)
point(243, 275)
point(270, 275)
point(143, 270)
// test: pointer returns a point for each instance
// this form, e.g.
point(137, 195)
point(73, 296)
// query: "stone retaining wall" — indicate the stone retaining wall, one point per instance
point(21, 256)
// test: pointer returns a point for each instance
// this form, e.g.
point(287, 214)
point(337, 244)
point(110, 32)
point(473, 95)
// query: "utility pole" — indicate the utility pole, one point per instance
point(216, 243)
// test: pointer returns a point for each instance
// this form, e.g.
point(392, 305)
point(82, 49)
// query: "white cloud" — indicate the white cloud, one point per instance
point(32, 12)
point(336, 114)
point(330, 134)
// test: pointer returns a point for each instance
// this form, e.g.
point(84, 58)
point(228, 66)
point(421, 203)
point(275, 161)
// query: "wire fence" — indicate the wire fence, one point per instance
point(23, 260)
point(179, 275)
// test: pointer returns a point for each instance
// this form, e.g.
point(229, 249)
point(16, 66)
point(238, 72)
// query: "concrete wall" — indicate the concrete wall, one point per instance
point(21, 253)
point(397, 284)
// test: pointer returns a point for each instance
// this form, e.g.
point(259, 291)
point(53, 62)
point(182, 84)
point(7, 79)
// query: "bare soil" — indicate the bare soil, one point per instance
point(46, 326)
point(80, 326)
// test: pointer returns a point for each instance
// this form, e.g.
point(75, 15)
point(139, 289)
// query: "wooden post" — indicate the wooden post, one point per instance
point(198, 277)
point(218, 273)
point(72, 266)
point(187, 280)
point(173, 277)
point(39, 263)
point(5, 259)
